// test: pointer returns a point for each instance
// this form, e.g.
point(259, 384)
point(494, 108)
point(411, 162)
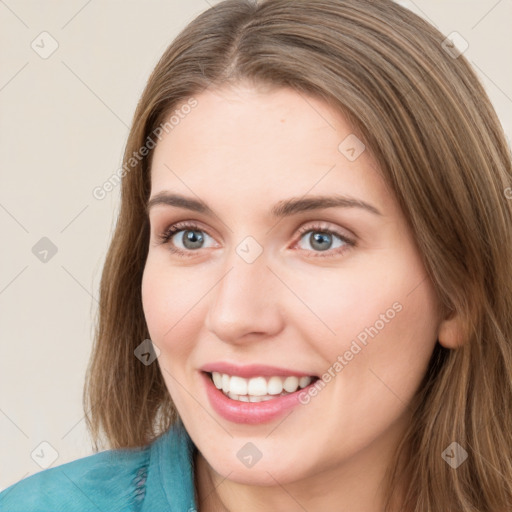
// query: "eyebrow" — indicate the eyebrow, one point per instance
point(283, 208)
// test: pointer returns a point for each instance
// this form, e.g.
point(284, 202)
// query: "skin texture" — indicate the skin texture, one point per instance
point(241, 150)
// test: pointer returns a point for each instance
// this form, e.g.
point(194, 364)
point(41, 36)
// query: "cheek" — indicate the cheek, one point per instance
point(385, 325)
point(403, 353)
point(168, 299)
point(351, 302)
point(383, 302)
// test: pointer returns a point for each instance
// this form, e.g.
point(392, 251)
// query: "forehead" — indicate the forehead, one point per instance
point(238, 120)
point(269, 143)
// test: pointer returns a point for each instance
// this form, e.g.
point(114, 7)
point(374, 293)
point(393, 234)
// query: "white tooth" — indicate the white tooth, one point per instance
point(217, 379)
point(304, 381)
point(238, 385)
point(274, 385)
point(225, 383)
point(252, 390)
point(257, 386)
point(290, 384)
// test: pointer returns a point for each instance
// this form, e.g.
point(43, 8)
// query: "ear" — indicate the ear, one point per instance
point(451, 332)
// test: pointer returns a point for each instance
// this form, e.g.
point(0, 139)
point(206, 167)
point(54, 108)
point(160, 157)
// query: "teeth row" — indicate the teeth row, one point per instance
point(258, 387)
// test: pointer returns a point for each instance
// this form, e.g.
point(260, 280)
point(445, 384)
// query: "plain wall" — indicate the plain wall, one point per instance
point(63, 125)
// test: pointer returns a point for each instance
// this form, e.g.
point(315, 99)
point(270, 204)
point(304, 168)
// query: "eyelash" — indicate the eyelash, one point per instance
point(165, 238)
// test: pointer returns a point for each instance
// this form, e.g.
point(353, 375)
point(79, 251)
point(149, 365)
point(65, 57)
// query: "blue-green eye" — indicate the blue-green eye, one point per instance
point(193, 238)
point(322, 239)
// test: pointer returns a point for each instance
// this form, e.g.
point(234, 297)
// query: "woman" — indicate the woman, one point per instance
point(240, 365)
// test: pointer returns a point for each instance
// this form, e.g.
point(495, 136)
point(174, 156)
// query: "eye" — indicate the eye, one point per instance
point(191, 240)
point(320, 239)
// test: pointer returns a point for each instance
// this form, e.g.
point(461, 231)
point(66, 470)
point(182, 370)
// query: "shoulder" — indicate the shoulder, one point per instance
point(109, 480)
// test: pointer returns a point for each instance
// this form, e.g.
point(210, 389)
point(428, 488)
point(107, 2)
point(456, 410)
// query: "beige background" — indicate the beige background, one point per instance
point(63, 124)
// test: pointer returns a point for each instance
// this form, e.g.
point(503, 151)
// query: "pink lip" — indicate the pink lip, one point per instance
point(252, 370)
point(249, 412)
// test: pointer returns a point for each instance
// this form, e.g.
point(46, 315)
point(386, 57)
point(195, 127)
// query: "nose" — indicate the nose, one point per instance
point(246, 303)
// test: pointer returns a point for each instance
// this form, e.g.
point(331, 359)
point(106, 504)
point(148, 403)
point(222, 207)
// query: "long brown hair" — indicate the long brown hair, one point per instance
point(427, 120)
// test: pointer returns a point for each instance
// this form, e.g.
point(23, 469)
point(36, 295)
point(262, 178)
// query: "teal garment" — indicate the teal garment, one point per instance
point(157, 477)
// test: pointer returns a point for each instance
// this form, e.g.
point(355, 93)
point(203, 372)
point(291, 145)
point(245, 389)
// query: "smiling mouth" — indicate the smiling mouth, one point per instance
point(258, 389)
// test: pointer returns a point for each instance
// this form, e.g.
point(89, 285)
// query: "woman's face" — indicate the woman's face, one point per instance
point(276, 285)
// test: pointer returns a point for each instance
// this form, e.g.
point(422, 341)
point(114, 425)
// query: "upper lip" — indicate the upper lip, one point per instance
point(251, 370)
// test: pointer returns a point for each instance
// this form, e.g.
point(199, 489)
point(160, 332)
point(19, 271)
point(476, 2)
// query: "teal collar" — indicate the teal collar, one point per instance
point(175, 452)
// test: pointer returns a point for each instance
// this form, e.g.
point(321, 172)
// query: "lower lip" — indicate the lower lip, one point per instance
point(250, 412)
